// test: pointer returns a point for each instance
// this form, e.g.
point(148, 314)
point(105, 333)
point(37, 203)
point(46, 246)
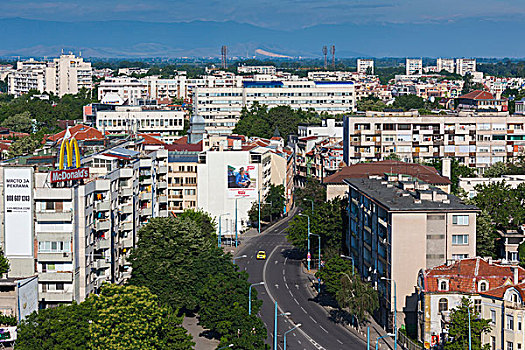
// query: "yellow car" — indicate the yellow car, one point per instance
point(261, 255)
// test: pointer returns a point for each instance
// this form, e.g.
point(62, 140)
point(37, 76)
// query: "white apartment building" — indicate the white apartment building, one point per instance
point(130, 90)
point(363, 64)
point(221, 107)
point(67, 74)
point(257, 69)
point(414, 66)
point(328, 128)
point(332, 76)
point(445, 64)
point(136, 119)
point(465, 65)
point(476, 139)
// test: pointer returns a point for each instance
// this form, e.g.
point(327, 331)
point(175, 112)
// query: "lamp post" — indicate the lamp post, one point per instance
point(351, 258)
point(308, 258)
point(319, 265)
point(288, 331)
point(220, 228)
point(236, 223)
point(381, 337)
point(311, 200)
point(395, 309)
point(275, 326)
point(250, 296)
point(469, 331)
point(226, 347)
point(238, 257)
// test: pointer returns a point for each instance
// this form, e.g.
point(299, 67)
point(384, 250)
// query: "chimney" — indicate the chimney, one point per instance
point(446, 168)
point(516, 274)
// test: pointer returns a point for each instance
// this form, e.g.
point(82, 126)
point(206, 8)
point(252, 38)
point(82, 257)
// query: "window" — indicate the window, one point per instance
point(443, 285)
point(461, 220)
point(459, 239)
point(443, 304)
point(519, 323)
point(54, 247)
point(483, 286)
point(492, 343)
point(477, 306)
point(510, 345)
point(60, 286)
point(510, 322)
point(459, 256)
point(493, 316)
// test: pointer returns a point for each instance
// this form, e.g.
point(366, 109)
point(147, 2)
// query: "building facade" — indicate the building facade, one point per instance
point(365, 65)
point(465, 65)
point(414, 66)
point(446, 64)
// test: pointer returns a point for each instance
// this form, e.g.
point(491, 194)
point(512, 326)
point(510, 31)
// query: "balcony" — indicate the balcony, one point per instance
point(103, 244)
point(57, 296)
point(102, 225)
point(55, 277)
point(162, 185)
point(55, 257)
point(145, 180)
point(102, 264)
point(126, 192)
point(127, 242)
point(163, 198)
point(126, 226)
point(51, 216)
point(145, 196)
point(102, 206)
point(145, 211)
point(163, 169)
point(163, 213)
point(126, 209)
point(126, 173)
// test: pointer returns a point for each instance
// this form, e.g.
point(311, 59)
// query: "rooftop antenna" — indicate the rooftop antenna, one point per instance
point(332, 51)
point(325, 53)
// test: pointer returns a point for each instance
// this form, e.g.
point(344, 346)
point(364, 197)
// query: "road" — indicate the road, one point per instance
point(289, 286)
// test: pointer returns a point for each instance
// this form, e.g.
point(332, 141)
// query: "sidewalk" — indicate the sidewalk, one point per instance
point(201, 343)
point(375, 329)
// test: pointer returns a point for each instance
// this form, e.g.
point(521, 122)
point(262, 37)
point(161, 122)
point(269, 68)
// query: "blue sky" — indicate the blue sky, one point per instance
point(280, 14)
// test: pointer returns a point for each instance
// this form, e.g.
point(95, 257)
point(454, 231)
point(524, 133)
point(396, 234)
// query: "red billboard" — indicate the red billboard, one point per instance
point(69, 175)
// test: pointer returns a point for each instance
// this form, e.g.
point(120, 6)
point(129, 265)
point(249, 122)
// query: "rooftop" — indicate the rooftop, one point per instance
point(398, 196)
point(424, 173)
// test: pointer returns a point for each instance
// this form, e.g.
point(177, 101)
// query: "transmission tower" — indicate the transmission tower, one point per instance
point(332, 51)
point(224, 54)
point(325, 53)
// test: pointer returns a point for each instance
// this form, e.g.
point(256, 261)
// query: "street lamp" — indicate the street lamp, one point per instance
point(311, 200)
point(395, 309)
point(250, 296)
point(319, 266)
point(308, 257)
point(288, 331)
point(238, 257)
point(351, 258)
point(226, 347)
point(381, 337)
point(469, 330)
point(259, 201)
point(220, 228)
point(275, 326)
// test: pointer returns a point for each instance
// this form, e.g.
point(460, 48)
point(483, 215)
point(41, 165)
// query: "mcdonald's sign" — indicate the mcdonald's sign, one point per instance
point(69, 148)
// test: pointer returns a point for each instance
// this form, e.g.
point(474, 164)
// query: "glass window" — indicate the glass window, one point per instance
point(510, 322)
point(443, 304)
point(483, 286)
point(443, 285)
point(477, 306)
point(510, 345)
point(459, 239)
point(493, 316)
point(460, 220)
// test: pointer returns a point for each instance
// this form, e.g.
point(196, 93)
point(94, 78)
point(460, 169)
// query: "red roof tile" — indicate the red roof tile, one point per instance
point(79, 132)
point(478, 95)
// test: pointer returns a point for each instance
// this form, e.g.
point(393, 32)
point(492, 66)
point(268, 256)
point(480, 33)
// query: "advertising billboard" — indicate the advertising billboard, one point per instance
point(242, 181)
point(18, 211)
point(69, 175)
point(27, 297)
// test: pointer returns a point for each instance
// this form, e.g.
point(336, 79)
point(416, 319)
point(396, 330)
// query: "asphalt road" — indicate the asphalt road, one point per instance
point(289, 286)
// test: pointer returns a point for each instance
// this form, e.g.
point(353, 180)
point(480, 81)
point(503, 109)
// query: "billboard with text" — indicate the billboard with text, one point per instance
point(242, 181)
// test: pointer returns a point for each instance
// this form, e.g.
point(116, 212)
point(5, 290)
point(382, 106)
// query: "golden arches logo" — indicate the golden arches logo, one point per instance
point(67, 147)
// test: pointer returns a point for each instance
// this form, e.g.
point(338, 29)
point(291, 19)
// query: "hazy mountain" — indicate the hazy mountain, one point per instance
point(474, 37)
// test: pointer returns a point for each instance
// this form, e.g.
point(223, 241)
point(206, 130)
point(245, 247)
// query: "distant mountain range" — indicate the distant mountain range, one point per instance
point(135, 39)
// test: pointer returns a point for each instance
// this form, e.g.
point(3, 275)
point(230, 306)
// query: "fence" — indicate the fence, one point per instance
point(407, 343)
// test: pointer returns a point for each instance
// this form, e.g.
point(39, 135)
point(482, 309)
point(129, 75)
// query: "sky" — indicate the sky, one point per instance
point(275, 14)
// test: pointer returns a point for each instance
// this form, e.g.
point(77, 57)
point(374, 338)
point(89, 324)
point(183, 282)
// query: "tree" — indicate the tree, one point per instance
point(272, 206)
point(407, 102)
point(358, 296)
point(129, 317)
point(486, 236)
point(458, 331)
point(4, 263)
point(496, 170)
point(332, 272)
point(457, 170)
point(121, 317)
point(203, 220)
point(312, 190)
point(393, 156)
point(24, 145)
point(370, 104)
point(19, 122)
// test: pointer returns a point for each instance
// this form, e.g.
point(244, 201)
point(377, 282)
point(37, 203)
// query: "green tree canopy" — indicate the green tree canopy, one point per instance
point(23, 145)
point(358, 296)
point(4, 263)
point(457, 170)
point(272, 206)
point(332, 273)
point(20, 122)
point(486, 236)
point(458, 332)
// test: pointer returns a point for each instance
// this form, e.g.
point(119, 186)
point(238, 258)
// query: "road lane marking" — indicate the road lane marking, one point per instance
point(296, 301)
point(313, 319)
point(303, 309)
point(340, 342)
point(323, 329)
point(284, 278)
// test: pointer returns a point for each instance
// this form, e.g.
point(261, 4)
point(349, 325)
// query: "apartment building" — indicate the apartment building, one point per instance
point(477, 139)
point(465, 65)
point(495, 291)
point(398, 226)
point(130, 90)
point(365, 65)
point(257, 69)
point(446, 64)
point(141, 119)
point(67, 74)
point(328, 128)
point(221, 107)
point(414, 66)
